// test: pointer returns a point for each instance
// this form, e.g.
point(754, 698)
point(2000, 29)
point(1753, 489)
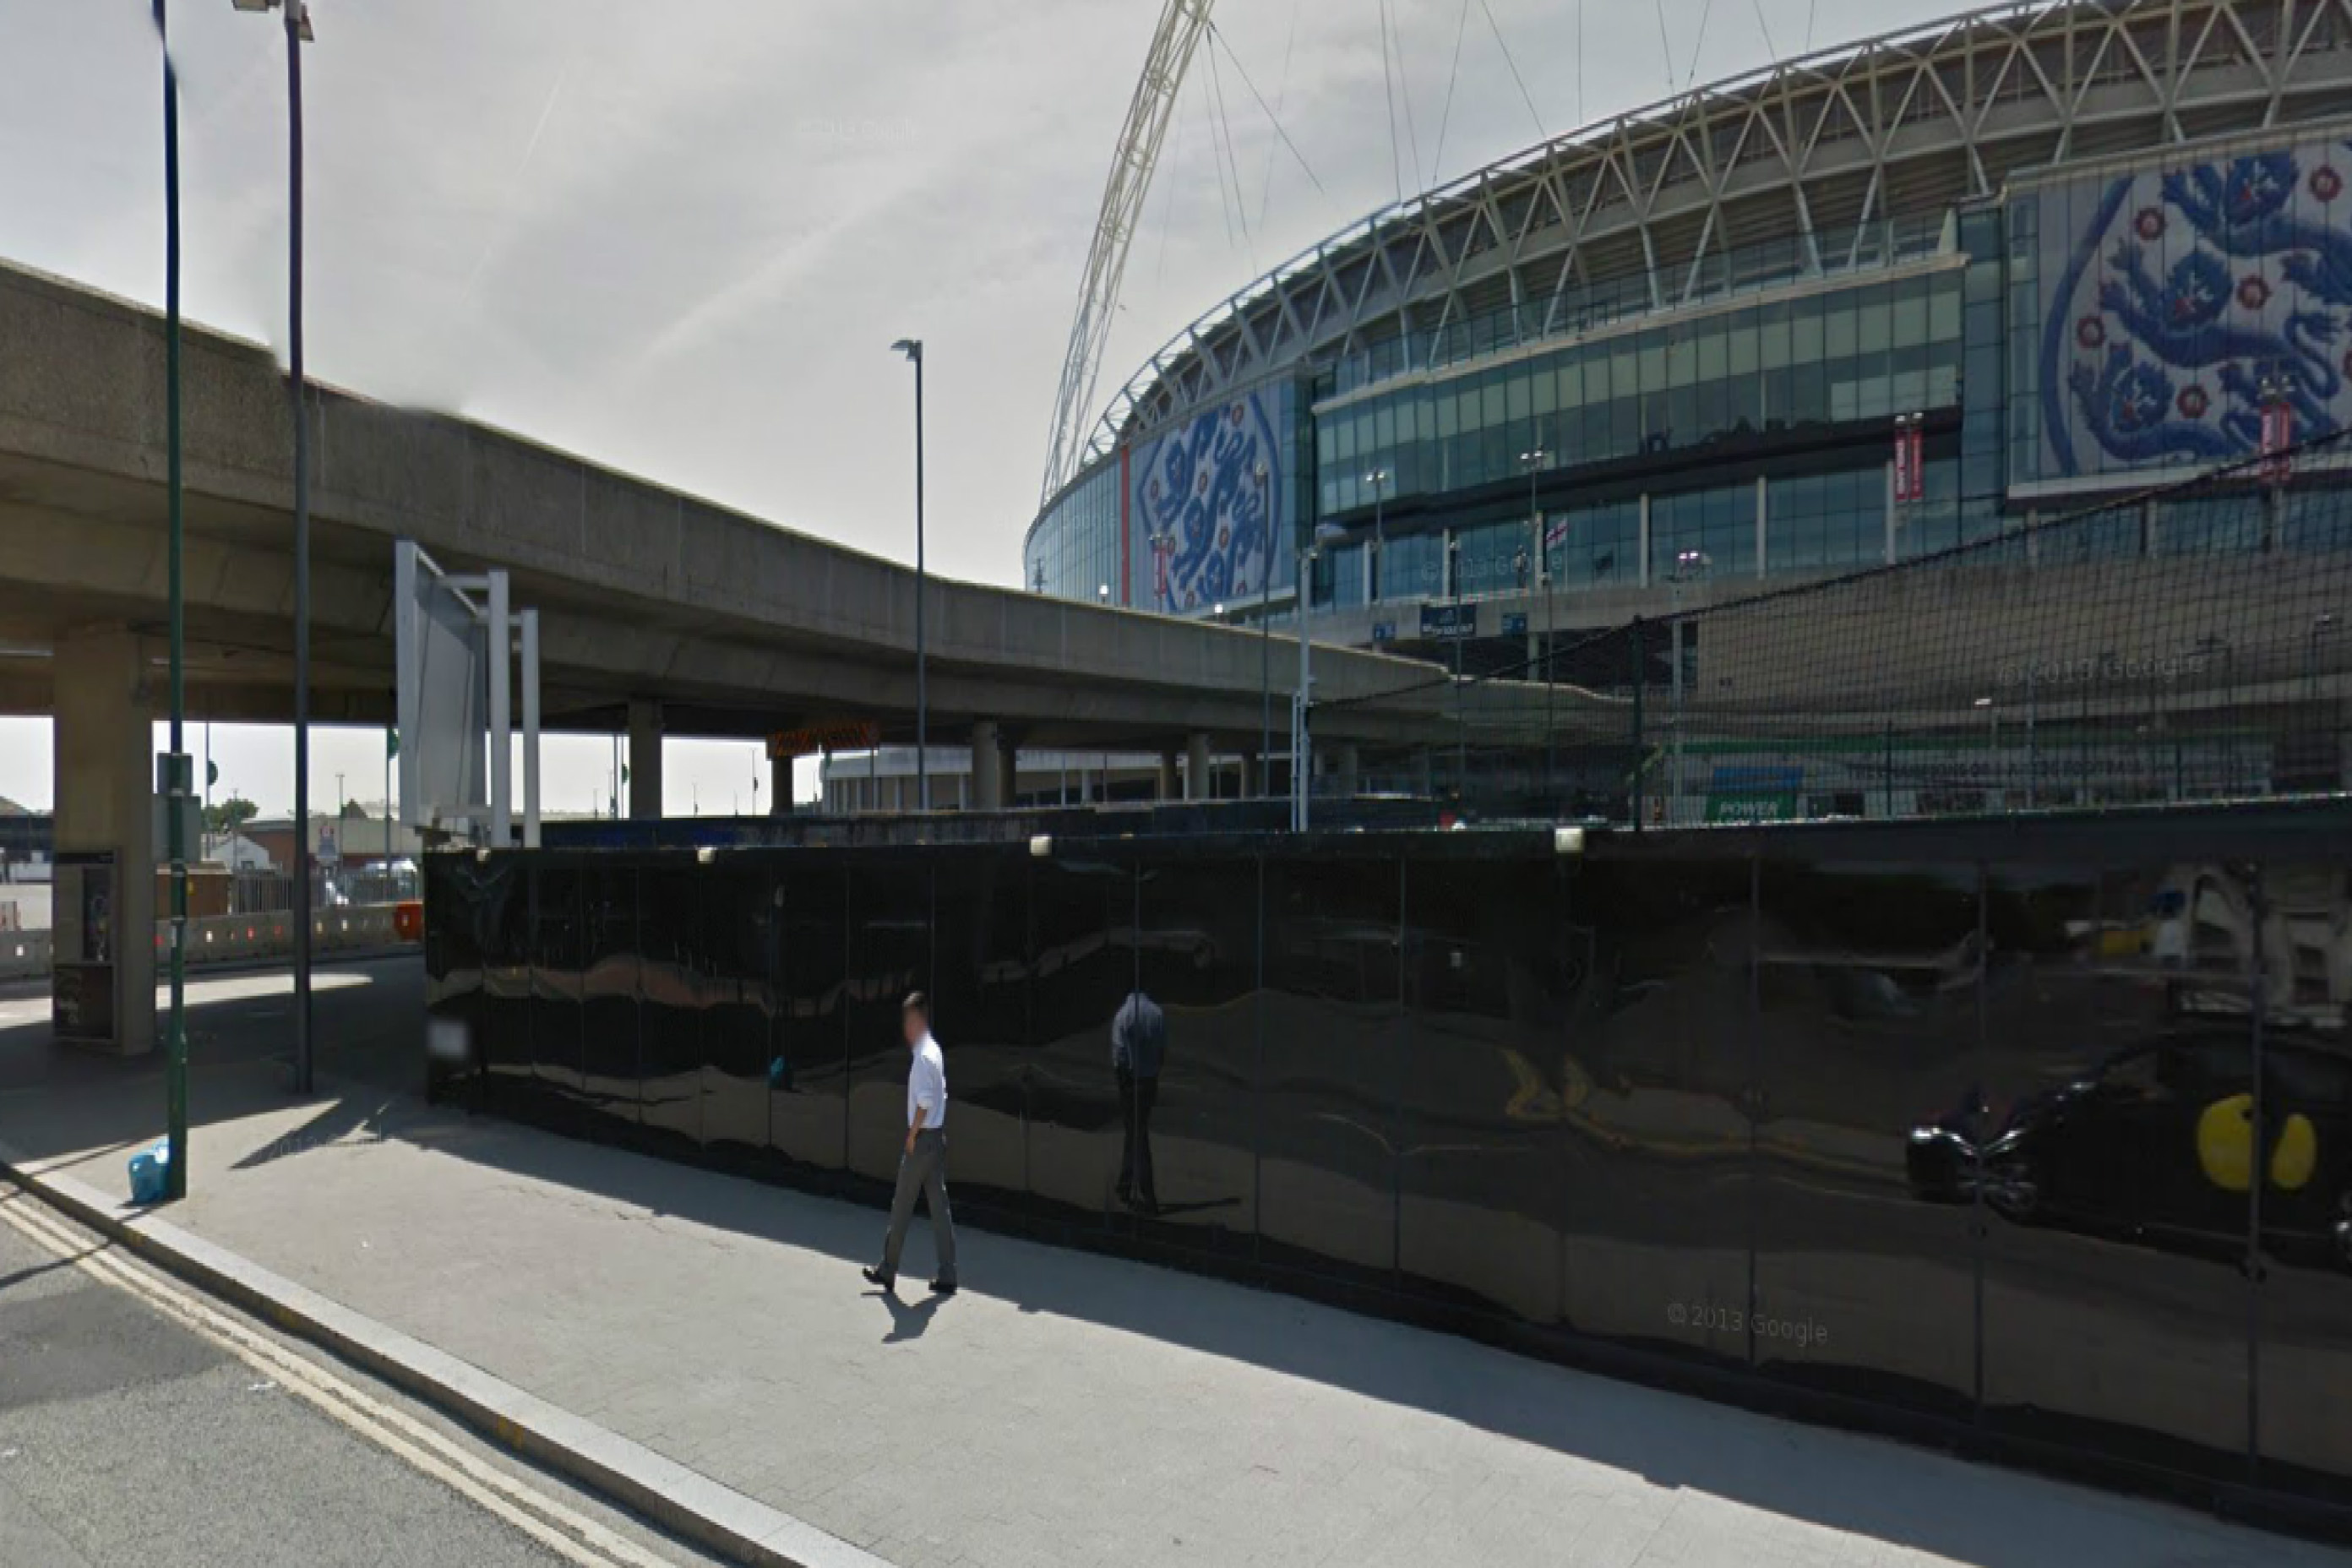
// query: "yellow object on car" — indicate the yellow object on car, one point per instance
point(2225, 1147)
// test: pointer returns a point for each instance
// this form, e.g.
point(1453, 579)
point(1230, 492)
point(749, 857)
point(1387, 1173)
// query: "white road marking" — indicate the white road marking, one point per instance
point(564, 1531)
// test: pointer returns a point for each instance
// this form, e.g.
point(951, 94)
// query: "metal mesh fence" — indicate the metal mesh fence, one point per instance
point(2191, 643)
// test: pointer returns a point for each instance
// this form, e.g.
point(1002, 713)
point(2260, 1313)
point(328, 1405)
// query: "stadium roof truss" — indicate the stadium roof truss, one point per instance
point(1820, 148)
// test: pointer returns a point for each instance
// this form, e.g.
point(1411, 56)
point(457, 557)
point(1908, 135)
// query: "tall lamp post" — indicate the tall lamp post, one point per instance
point(1533, 461)
point(1690, 565)
point(1461, 713)
point(1302, 702)
point(1378, 479)
point(175, 1091)
point(297, 16)
point(1264, 641)
point(913, 349)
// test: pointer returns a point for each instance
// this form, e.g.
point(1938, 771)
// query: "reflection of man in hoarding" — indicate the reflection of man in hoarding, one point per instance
point(1139, 1045)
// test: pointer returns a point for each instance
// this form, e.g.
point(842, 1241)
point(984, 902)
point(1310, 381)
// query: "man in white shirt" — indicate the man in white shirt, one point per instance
point(924, 1165)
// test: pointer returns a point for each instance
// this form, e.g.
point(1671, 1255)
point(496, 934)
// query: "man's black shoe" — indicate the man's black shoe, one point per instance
point(943, 1287)
point(875, 1276)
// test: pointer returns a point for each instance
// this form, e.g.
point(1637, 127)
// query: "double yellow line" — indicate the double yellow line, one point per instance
point(564, 1531)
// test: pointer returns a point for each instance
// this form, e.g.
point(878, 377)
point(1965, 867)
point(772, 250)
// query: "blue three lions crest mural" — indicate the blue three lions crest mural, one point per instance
point(1209, 504)
point(2182, 303)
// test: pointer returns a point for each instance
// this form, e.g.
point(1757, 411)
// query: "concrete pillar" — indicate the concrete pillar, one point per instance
point(1198, 784)
point(1168, 774)
point(105, 785)
point(1351, 768)
point(987, 766)
point(1253, 774)
point(780, 785)
point(645, 760)
point(1008, 763)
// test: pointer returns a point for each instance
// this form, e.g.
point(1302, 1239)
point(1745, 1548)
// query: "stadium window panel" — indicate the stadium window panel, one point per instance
point(1493, 400)
point(1944, 311)
point(1681, 426)
point(1543, 388)
point(1746, 344)
point(1808, 330)
point(1714, 346)
point(1569, 382)
point(1650, 367)
point(1681, 364)
point(1713, 409)
point(1839, 327)
point(1345, 450)
point(1449, 418)
point(1502, 447)
point(1774, 336)
point(2313, 520)
point(1516, 403)
point(1625, 369)
point(1599, 441)
point(1910, 317)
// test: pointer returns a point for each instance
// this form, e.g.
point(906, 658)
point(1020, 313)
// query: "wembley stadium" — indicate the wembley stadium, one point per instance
point(2074, 247)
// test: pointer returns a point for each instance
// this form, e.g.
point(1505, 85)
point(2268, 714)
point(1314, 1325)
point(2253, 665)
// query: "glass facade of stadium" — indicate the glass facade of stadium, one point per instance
point(1601, 443)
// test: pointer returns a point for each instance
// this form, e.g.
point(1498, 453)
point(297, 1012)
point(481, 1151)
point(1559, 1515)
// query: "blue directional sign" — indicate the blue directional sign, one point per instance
point(1449, 623)
point(1515, 625)
point(1384, 631)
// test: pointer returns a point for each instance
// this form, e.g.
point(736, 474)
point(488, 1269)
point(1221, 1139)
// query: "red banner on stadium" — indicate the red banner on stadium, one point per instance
point(2278, 443)
point(1910, 465)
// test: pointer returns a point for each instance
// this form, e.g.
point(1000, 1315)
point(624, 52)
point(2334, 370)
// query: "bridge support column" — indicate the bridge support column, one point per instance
point(645, 760)
point(780, 785)
point(987, 766)
point(1167, 775)
point(1198, 784)
point(105, 786)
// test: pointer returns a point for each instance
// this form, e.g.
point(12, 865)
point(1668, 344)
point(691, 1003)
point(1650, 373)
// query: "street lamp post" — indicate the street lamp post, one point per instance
point(1265, 642)
point(1689, 566)
point(1379, 480)
point(175, 1045)
point(1102, 597)
point(913, 349)
point(1302, 702)
point(1461, 715)
point(1533, 461)
point(297, 16)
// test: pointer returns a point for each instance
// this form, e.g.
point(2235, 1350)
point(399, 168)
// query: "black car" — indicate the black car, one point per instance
point(2128, 1149)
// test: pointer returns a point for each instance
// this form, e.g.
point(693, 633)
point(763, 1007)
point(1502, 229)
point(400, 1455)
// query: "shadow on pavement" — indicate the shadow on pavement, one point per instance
point(366, 1019)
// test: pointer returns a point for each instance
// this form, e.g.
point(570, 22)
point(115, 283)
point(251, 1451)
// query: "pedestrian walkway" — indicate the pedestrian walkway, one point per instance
point(1066, 1408)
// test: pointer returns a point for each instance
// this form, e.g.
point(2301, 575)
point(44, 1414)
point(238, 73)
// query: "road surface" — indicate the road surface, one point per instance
point(141, 1424)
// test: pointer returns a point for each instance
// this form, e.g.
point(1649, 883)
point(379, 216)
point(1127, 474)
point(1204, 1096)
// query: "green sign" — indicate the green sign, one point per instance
point(1744, 809)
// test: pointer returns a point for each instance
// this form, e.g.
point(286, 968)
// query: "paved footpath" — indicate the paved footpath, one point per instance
point(1066, 1408)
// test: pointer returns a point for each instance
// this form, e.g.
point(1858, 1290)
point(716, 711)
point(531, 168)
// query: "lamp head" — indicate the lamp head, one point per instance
point(911, 347)
point(302, 14)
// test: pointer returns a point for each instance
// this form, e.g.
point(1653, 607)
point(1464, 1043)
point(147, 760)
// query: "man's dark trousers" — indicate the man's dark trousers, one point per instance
point(1135, 1097)
point(924, 1169)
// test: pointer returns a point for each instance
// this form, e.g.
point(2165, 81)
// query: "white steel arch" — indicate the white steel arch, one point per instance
point(1173, 43)
point(1810, 149)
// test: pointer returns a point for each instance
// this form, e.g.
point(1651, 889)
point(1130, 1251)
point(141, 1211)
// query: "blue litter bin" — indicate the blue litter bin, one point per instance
point(150, 1173)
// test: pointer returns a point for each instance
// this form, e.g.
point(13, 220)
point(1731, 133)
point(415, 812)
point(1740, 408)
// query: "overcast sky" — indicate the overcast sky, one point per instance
point(678, 238)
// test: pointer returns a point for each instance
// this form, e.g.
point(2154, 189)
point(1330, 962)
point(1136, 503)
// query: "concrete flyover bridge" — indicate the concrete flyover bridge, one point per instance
point(659, 612)
point(728, 624)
